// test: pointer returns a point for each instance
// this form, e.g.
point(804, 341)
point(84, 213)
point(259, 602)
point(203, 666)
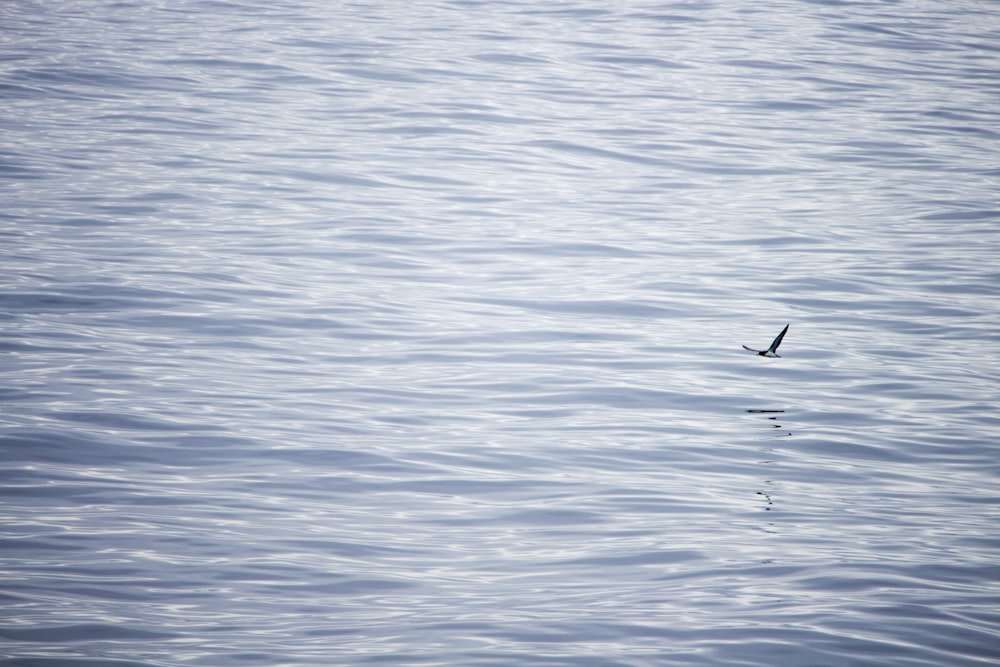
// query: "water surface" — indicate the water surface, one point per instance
point(411, 334)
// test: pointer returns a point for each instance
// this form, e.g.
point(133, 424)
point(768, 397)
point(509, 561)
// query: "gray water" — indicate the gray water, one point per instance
point(410, 333)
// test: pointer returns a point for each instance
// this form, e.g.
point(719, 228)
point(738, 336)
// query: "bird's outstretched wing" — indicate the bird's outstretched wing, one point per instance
point(750, 348)
point(777, 341)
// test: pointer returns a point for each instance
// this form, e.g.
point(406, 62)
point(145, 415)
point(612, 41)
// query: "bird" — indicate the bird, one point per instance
point(773, 350)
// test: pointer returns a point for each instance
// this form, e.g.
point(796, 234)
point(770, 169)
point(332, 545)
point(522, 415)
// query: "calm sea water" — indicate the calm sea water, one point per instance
point(409, 333)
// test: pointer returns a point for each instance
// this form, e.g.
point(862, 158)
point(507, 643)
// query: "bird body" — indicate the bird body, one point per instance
point(773, 350)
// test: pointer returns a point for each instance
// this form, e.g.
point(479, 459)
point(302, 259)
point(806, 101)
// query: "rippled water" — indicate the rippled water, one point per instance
point(410, 333)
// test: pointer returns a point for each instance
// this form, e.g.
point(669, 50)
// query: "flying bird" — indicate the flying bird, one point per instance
point(773, 350)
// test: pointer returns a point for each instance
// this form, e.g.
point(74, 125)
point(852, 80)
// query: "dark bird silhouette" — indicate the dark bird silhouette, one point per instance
point(773, 350)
